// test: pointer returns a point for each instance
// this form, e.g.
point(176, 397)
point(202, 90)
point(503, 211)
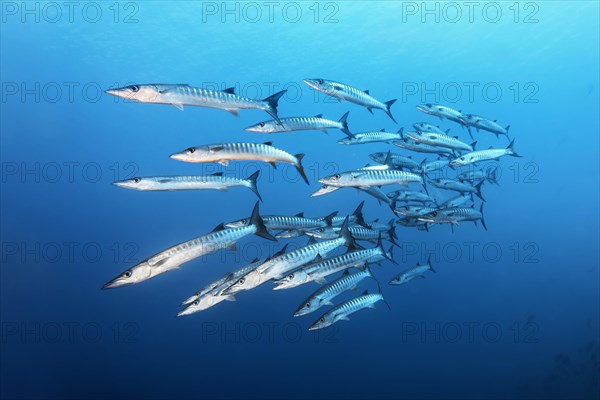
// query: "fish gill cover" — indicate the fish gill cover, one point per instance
point(318, 200)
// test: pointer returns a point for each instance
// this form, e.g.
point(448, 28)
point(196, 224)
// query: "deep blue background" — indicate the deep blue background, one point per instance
point(543, 297)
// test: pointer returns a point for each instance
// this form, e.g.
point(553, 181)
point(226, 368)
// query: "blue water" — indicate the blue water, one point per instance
point(512, 311)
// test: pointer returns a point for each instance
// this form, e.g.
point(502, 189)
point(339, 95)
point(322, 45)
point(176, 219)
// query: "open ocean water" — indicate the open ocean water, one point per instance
point(512, 312)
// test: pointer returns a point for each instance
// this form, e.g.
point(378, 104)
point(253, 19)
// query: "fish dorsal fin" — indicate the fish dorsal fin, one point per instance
point(255, 260)
point(346, 273)
point(217, 174)
point(280, 252)
point(300, 215)
point(382, 130)
point(318, 259)
point(495, 120)
point(490, 148)
point(418, 263)
point(455, 137)
point(311, 240)
point(319, 116)
point(219, 227)
point(367, 91)
point(230, 90)
point(365, 292)
point(268, 143)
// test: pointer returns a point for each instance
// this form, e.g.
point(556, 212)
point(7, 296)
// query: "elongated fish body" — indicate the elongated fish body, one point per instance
point(325, 294)
point(180, 95)
point(457, 201)
point(425, 127)
point(455, 215)
point(371, 137)
point(490, 175)
point(412, 222)
point(214, 296)
point(290, 124)
point(354, 259)
point(412, 273)
point(371, 178)
point(358, 233)
point(342, 311)
point(442, 112)
point(345, 92)
point(481, 123)
point(284, 222)
point(434, 165)
point(280, 264)
point(182, 253)
point(189, 182)
point(411, 145)
point(413, 211)
point(484, 155)
point(397, 160)
point(407, 196)
point(458, 186)
point(439, 140)
point(222, 153)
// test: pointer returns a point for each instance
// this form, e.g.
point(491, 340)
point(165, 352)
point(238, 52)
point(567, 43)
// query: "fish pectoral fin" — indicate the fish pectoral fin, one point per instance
point(328, 303)
point(273, 164)
point(232, 111)
point(223, 162)
point(229, 297)
point(231, 247)
point(178, 106)
point(345, 318)
point(222, 188)
point(371, 306)
point(321, 281)
point(324, 131)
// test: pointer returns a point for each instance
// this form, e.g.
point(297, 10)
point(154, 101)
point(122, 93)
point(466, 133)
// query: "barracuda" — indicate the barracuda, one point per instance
point(413, 211)
point(283, 222)
point(396, 160)
point(442, 112)
point(454, 215)
point(180, 95)
point(189, 182)
point(485, 155)
point(490, 175)
point(277, 267)
point(440, 140)
point(351, 94)
point(316, 123)
point(173, 257)
point(457, 201)
point(406, 196)
point(458, 186)
point(212, 295)
point(371, 137)
point(484, 124)
point(371, 178)
point(411, 145)
point(222, 153)
point(425, 127)
point(358, 233)
point(412, 273)
point(342, 311)
point(324, 295)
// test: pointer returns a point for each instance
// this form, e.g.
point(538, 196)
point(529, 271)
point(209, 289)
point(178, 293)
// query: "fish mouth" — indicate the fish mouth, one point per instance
point(183, 312)
point(312, 83)
point(121, 184)
point(178, 156)
point(113, 283)
point(118, 93)
point(424, 109)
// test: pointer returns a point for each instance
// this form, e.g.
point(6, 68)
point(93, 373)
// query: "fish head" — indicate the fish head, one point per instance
point(378, 157)
point(288, 234)
point(142, 93)
point(135, 274)
point(398, 280)
point(427, 108)
point(414, 135)
point(200, 304)
point(238, 224)
point(291, 280)
point(245, 282)
point(424, 127)
point(459, 161)
point(323, 85)
point(136, 183)
point(349, 140)
point(265, 127)
point(324, 190)
point(323, 322)
point(327, 232)
point(337, 179)
point(195, 154)
point(308, 306)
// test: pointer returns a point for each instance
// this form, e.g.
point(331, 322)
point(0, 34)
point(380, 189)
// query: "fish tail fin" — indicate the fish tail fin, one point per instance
point(329, 218)
point(359, 215)
point(272, 102)
point(392, 229)
point(482, 219)
point(493, 176)
point(470, 133)
point(388, 105)
point(345, 233)
point(474, 144)
point(344, 122)
point(257, 221)
point(252, 180)
point(383, 297)
point(511, 147)
point(478, 192)
point(300, 168)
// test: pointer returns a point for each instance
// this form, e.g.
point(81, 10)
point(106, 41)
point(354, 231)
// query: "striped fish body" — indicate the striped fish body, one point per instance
point(296, 124)
point(410, 274)
point(345, 92)
point(439, 140)
point(193, 96)
point(342, 262)
point(397, 160)
point(342, 311)
point(413, 211)
point(403, 195)
point(456, 201)
point(325, 294)
point(481, 155)
point(421, 148)
point(284, 222)
point(434, 165)
point(462, 213)
point(472, 176)
point(372, 178)
point(371, 137)
point(481, 123)
point(442, 112)
point(425, 127)
point(224, 152)
point(183, 182)
point(450, 184)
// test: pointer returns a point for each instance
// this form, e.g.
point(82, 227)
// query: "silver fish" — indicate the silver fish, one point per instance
point(222, 153)
point(290, 124)
point(180, 95)
point(490, 175)
point(351, 94)
point(371, 178)
point(412, 273)
point(458, 186)
point(442, 112)
point(485, 155)
point(342, 311)
point(481, 123)
point(291, 222)
point(457, 201)
point(173, 257)
point(189, 182)
point(455, 215)
point(440, 140)
point(396, 160)
point(409, 144)
point(408, 196)
point(371, 137)
point(425, 127)
point(325, 294)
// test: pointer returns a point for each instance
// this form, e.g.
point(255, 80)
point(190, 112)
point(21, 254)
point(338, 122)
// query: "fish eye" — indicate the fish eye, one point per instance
point(336, 176)
point(241, 281)
point(322, 320)
point(196, 302)
point(135, 88)
point(191, 150)
point(321, 81)
point(127, 274)
point(291, 276)
point(307, 305)
point(262, 124)
point(136, 180)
